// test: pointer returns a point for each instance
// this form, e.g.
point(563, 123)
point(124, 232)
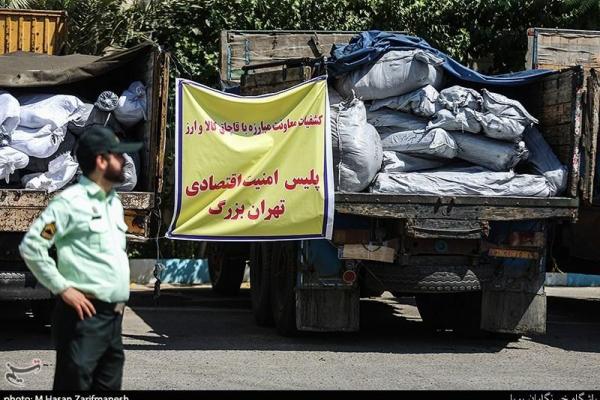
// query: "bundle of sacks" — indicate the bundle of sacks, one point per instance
point(413, 137)
point(38, 135)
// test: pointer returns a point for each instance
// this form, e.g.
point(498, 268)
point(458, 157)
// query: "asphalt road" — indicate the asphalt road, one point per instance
point(195, 340)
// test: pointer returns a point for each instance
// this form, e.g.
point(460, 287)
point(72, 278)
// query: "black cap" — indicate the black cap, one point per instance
point(98, 139)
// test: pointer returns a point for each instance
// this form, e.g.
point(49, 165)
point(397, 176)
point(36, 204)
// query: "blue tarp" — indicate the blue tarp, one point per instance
point(368, 46)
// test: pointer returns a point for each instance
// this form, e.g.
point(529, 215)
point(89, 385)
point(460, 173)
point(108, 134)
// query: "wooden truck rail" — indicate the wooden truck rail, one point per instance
point(19, 208)
point(456, 207)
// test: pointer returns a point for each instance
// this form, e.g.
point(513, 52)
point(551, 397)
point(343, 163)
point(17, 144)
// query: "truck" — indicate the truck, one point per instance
point(474, 264)
point(576, 248)
point(86, 77)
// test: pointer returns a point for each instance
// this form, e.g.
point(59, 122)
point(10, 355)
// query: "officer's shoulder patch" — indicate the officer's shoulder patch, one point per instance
point(49, 231)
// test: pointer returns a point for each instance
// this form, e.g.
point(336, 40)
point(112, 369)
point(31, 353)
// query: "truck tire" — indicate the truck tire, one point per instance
point(260, 260)
point(460, 312)
point(226, 268)
point(284, 267)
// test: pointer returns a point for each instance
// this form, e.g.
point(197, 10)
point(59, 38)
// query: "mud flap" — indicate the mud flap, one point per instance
point(328, 309)
point(514, 312)
point(514, 301)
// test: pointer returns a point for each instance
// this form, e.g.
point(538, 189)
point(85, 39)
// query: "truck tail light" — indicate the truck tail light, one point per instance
point(349, 277)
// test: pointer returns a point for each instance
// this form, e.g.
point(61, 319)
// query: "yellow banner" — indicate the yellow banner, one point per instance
point(252, 168)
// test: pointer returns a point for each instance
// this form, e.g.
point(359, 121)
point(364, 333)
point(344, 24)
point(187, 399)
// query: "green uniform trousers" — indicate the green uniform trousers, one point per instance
point(89, 353)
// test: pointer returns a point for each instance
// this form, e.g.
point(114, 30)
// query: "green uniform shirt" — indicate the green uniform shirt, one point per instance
point(86, 225)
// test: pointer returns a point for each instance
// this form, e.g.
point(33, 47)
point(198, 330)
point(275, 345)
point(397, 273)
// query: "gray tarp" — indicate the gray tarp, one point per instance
point(394, 161)
point(434, 143)
point(420, 102)
point(544, 161)
point(395, 73)
point(471, 181)
point(465, 120)
point(489, 153)
point(357, 152)
point(398, 120)
point(23, 69)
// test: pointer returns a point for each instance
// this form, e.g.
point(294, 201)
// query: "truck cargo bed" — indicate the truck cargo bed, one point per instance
point(456, 207)
point(20, 207)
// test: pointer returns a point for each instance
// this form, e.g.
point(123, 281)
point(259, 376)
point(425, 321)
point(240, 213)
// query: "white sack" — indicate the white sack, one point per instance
point(435, 142)
point(457, 97)
point(489, 153)
point(77, 124)
point(38, 142)
point(396, 72)
point(471, 181)
point(501, 128)
point(131, 108)
point(397, 120)
point(129, 172)
point(543, 161)
point(394, 161)
point(39, 110)
point(10, 161)
point(60, 172)
point(9, 116)
point(357, 153)
point(465, 120)
point(502, 106)
point(420, 102)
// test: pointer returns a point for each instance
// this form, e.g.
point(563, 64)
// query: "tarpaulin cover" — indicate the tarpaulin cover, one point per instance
point(368, 47)
point(470, 181)
point(22, 69)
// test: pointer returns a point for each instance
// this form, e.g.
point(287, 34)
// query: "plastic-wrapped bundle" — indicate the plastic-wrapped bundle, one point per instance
point(130, 175)
point(131, 108)
point(55, 110)
point(10, 161)
point(471, 181)
point(38, 142)
point(501, 128)
point(502, 106)
point(77, 125)
point(397, 72)
point(41, 164)
point(357, 153)
point(465, 120)
point(543, 161)
point(9, 117)
point(394, 161)
point(457, 97)
point(397, 120)
point(60, 172)
point(436, 142)
point(420, 102)
point(489, 153)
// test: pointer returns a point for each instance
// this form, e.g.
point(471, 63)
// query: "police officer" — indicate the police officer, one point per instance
point(85, 223)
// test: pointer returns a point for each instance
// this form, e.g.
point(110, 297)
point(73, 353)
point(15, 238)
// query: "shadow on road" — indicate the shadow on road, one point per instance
point(391, 326)
point(573, 325)
point(197, 319)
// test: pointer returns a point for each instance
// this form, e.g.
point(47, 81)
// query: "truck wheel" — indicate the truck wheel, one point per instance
point(460, 312)
point(226, 269)
point(284, 267)
point(260, 260)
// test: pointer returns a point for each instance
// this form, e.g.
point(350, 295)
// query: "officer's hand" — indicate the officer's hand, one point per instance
point(79, 302)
